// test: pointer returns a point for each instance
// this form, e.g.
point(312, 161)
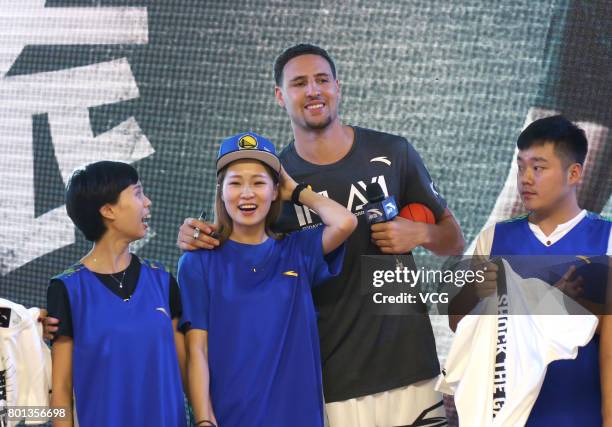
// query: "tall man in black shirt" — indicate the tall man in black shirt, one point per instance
point(378, 370)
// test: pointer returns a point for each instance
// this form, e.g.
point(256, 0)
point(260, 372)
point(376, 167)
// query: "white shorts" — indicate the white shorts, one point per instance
point(419, 404)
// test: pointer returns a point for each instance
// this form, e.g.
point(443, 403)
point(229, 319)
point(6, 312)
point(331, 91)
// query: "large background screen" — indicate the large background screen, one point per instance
point(159, 83)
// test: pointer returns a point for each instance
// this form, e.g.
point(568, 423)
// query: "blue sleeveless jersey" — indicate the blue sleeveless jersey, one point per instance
point(125, 368)
point(571, 392)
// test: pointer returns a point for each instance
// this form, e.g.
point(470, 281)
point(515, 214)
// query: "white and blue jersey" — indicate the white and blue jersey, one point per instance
point(125, 367)
point(571, 392)
point(263, 347)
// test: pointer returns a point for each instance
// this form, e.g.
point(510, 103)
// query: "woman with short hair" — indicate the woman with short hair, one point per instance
point(115, 346)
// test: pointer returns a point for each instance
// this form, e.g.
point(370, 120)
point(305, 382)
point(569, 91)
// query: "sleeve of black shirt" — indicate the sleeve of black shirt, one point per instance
point(58, 306)
point(417, 185)
point(176, 306)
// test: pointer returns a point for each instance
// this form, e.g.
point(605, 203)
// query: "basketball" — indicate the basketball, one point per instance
point(418, 212)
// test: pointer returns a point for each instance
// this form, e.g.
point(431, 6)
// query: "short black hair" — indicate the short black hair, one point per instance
point(92, 186)
point(569, 140)
point(299, 50)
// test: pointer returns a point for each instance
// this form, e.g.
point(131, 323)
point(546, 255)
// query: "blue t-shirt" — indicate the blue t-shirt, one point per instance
point(263, 346)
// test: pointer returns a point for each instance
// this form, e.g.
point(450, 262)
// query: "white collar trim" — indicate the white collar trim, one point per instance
point(558, 233)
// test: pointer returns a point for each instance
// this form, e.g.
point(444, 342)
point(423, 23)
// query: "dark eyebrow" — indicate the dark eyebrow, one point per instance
point(303, 77)
point(533, 159)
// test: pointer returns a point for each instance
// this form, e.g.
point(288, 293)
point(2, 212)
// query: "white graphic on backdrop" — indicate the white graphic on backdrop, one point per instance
point(65, 96)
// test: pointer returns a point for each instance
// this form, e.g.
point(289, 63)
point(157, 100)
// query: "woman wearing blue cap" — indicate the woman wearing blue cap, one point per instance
point(252, 340)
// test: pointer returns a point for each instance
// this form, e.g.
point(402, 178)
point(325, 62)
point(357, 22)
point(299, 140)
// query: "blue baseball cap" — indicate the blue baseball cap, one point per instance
point(247, 145)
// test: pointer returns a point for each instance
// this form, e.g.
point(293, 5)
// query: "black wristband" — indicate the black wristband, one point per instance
point(295, 195)
point(205, 423)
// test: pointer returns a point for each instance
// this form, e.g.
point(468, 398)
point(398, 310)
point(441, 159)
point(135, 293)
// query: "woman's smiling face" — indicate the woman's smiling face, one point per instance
point(247, 192)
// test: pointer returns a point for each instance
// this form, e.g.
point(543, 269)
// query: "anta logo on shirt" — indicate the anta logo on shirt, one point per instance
point(290, 273)
point(434, 190)
point(382, 159)
point(163, 310)
point(354, 199)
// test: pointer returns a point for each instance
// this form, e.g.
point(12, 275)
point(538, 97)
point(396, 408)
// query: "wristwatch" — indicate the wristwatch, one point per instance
point(295, 195)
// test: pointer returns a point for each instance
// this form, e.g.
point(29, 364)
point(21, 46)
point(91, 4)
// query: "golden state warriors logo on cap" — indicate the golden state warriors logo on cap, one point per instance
point(247, 142)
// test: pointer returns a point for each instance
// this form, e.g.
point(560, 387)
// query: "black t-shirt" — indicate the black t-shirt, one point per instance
point(58, 303)
point(363, 353)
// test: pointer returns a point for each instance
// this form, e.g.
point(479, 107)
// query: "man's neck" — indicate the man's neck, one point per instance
point(548, 220)
point(324, 146)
